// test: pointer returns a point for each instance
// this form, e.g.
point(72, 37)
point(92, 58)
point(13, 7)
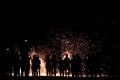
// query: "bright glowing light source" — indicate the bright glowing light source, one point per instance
point(25, 40)
point(7, 49)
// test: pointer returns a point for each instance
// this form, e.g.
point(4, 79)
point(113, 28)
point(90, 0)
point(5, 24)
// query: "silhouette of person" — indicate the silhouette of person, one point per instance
point(17, 63)
point(8, 66)
point(47, 65)
point(35, 65)
point(61, 67)
point(78, 64)
point(38, 61)
point(27, 67)
point(74, 65)
point(54, 65)
point(7, 63)
point(50, 65)
point(24, 49)
point(67, 65)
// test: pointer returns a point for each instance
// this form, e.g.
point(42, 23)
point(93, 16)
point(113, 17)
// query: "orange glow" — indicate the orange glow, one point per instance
point(41, 56)
point(68, 53)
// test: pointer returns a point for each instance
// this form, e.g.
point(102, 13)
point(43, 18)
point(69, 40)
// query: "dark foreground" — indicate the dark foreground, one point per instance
point(58, 78)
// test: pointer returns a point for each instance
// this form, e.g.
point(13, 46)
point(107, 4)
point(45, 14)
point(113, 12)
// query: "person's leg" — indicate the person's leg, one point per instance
point(39, 71)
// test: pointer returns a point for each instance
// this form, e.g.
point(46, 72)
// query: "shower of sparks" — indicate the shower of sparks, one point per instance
point(65, 40)
point(61, 42)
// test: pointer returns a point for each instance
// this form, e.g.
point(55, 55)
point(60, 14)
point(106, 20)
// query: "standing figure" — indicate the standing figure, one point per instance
point(16, 63)
point(38, 61)
point(35, 65)
point(67, 65)
point(61, 67)
point(54, 65)
point(78, 65)
point(27, 67)
point(25, 63)
point(74, 65)
point(47, 65)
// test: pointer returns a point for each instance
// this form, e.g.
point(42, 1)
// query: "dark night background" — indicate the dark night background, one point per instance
point(18, 27)
point(15, 28)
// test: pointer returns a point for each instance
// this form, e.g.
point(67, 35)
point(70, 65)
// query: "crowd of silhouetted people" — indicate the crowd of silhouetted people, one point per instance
point(65, 66)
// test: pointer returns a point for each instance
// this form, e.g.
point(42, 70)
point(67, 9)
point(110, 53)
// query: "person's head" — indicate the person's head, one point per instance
point(66, 55)
point(34, 56)
point(60, 57)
